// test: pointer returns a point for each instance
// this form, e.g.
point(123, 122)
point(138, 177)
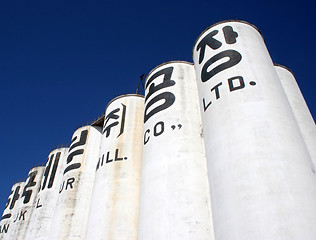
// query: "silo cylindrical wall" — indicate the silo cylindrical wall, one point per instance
point(46, 199)
point(115, 199)
point(27, 203)
point(300, 109)
point(261, 178)
point(10, 213)
point(73, 204)
point(174, 195)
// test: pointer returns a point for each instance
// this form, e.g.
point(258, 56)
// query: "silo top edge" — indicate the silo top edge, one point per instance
point(226, 21)
point(36, 167)
point(122, 96)
point(282, 66)
point(64, 146)
point(165, 63)
point(19, 181)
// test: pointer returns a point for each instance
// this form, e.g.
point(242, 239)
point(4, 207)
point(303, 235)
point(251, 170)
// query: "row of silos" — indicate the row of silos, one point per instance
point(220, 149)
point(17, 216)
point(64, 187)
point(54, 201)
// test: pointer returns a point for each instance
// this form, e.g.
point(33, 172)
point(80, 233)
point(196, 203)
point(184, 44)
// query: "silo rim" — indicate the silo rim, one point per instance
point(165, 63)
point(63, 146)
point(19, 181)
point(36, 167)
point(282, 66)
point(121, 96)
point(226, 21)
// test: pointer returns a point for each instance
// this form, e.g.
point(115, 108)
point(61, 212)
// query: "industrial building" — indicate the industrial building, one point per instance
point(223, 148)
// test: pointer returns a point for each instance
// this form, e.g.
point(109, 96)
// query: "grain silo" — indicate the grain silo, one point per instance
point(10, 213)
point(73, 204)
point(46, 199)
point(300, 109)
point(114, 205)
point(261, 178)
point(27, 203)
point(174, 196)
point(223, 149)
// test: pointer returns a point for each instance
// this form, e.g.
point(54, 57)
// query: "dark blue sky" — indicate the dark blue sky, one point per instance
point(61, 62)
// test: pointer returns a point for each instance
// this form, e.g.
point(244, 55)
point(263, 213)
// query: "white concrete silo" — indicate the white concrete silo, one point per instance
point(46, 199)
point(72, 209)
point(115, 199)
point(261, 178)
point(300, 109)
point(174, 196)
point(10, 213)
point(27, 203)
